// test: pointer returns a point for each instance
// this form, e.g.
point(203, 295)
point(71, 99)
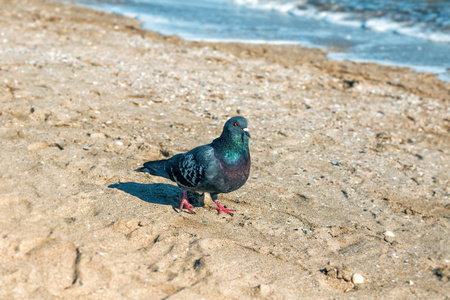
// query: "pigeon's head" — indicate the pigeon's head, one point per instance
point(237, 126)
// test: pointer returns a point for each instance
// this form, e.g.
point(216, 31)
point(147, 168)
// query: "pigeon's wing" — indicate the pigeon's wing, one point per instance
point(190, 170)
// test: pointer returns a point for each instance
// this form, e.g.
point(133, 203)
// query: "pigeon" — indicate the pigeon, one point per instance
point(220, 167)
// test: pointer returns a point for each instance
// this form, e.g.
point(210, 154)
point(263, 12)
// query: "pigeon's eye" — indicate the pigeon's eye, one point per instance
point(235, 124)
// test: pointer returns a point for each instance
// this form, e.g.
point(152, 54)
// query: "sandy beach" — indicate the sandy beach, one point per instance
point(350, 167)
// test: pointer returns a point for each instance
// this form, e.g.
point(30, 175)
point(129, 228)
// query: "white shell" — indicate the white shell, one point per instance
point(357, 278)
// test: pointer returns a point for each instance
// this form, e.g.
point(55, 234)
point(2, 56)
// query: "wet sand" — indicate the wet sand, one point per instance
point(350, 169)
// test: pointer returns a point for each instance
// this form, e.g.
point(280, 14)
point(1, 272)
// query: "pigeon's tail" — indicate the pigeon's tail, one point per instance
point(156, 168)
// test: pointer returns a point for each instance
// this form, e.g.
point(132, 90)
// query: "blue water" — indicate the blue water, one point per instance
point(410, 33)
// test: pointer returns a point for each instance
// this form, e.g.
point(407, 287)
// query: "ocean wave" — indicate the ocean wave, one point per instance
point(412, 21)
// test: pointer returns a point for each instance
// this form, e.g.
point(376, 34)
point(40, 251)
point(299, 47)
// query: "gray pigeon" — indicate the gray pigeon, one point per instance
point(220, 167)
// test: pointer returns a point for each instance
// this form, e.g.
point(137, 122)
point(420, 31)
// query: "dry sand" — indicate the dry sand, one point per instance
point(350, 167)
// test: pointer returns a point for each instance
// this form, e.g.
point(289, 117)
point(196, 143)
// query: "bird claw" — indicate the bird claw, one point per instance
point(220, 209)
point(184, 202)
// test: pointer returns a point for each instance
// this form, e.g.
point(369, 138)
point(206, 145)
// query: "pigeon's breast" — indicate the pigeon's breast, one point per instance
point(234, 175)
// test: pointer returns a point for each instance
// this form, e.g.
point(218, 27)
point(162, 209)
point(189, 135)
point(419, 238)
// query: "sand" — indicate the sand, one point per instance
point(350, 170)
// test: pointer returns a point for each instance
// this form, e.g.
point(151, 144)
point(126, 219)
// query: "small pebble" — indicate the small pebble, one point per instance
point(389, 233)
point(357, 278)
point(20, 134)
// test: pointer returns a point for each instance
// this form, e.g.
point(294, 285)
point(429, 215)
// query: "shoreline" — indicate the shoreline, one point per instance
point(349, 167)
point(335, 52)
point(430, 85)
point(416, 63)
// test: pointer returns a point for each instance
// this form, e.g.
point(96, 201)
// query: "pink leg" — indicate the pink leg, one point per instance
point(220, 208)
point(185, 202)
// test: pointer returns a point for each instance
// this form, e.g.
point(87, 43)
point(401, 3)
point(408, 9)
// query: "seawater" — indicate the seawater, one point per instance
point(409, 33)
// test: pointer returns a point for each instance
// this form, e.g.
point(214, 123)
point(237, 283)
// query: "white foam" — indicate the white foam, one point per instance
point(246, 2)
point(247, 41)
point(147, 18)
point(285, 7)
point(382, 24)
point(342, 19)
point(428, 35)
point(282, 7)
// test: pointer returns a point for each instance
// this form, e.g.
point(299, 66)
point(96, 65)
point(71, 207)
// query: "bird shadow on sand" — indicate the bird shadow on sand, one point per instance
point(158, 193)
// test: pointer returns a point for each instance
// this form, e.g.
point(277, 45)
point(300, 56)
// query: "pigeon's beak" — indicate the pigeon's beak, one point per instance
point(247, 133)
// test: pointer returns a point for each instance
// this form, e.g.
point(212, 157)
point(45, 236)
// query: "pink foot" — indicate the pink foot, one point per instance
point(185, 202)
point(220, 208)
